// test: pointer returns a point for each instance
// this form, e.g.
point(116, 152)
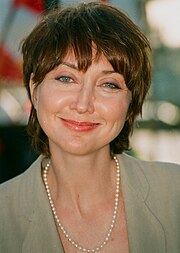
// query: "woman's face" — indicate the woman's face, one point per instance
point(81, 112)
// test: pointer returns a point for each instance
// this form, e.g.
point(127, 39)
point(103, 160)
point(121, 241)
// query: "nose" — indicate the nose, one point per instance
point(84, 100)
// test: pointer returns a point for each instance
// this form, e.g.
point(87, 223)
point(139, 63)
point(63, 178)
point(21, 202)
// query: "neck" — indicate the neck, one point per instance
point(82, 180)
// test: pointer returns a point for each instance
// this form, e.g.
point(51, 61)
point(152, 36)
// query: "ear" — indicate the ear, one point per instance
point(33, 92)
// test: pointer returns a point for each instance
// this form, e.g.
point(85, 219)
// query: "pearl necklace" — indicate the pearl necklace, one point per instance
point(61, 226)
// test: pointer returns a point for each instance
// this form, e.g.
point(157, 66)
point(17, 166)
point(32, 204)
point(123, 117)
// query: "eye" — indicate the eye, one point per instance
point(111, 85)
point(64, 79)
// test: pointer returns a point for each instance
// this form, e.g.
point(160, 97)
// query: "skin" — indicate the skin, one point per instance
point(68, 94)
point(81, 113)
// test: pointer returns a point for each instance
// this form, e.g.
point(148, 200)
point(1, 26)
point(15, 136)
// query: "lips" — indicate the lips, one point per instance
point(79, 125)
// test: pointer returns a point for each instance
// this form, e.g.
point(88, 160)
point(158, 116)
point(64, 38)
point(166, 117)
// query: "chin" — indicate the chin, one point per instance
point(77, 151)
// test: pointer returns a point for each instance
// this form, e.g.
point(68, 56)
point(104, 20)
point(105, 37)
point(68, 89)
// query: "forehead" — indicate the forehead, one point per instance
point(96, 59)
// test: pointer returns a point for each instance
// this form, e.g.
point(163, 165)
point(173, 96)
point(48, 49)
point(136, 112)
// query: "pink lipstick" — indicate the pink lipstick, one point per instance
point(79, 126)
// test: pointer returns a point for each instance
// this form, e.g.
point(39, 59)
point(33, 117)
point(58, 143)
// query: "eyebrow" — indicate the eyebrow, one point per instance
point(109, 72)
point(73, 66)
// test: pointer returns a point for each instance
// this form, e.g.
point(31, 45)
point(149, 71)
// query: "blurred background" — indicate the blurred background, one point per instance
point(157, 134)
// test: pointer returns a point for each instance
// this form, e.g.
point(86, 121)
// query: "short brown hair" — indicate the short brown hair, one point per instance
point(75, 28)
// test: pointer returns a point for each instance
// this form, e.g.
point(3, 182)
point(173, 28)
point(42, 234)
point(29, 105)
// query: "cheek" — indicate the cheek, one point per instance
point(48, 97)
point(45, 104)
point(116, 111)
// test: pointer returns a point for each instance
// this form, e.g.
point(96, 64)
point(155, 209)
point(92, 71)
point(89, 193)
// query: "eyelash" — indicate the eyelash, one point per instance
point(112, 85)
point(65, 77)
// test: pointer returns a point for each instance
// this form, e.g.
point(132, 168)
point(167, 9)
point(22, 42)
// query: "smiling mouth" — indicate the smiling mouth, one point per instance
point(79, 125)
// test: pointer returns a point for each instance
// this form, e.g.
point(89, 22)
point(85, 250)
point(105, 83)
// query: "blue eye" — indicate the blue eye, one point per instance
point(111, 85)
point(64, 79)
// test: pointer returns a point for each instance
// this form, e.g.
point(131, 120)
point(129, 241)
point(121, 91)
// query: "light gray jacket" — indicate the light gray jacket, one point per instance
point(151, 193)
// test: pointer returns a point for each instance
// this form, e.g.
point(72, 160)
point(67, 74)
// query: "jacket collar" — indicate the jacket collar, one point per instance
point(145, 232)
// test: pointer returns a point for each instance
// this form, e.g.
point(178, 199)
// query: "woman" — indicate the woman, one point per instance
point(87, 72)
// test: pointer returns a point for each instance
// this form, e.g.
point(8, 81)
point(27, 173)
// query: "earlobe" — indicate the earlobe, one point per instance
point(33, 92)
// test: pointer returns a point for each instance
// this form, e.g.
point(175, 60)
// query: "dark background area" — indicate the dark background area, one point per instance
point(16, 152)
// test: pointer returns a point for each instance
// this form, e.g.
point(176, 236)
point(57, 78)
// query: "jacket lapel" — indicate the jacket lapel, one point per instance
point(145, 232)
point(41, 235)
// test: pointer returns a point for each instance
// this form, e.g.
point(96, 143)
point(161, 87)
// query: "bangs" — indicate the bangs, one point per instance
point(71, 34)
point(88, 34)
point(79, 34)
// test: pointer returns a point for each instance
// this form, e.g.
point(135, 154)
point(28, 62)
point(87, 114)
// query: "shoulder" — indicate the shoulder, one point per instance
point(151, 167)
point(157, 183)
point(158, 175)
point(23, 203)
